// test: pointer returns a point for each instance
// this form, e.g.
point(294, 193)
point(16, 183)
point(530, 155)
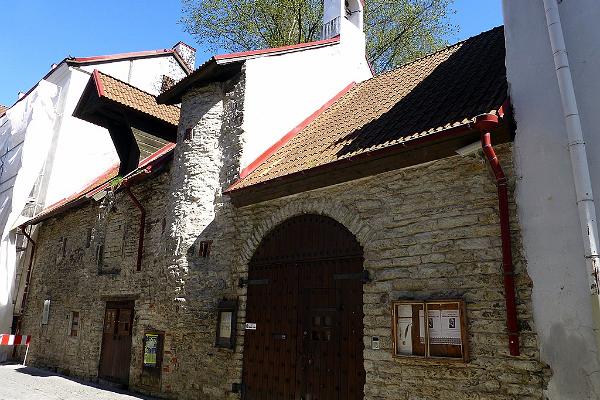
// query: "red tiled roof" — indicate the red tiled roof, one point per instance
point(277, 50)
point(134, 98)
point(428, 96)
point(114, 57)
point(100, 183)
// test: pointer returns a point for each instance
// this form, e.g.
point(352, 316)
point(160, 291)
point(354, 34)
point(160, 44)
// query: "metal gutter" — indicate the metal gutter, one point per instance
point(142, 225)
point(579, 162)
point(485, 124)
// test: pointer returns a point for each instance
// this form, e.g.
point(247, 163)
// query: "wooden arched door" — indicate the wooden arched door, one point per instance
point(304, 314)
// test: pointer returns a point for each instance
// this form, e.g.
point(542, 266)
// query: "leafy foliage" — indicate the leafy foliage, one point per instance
point(398, 31)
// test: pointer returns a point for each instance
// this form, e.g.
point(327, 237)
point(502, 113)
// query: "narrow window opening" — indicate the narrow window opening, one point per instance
point(204, 248)
point(74, 328)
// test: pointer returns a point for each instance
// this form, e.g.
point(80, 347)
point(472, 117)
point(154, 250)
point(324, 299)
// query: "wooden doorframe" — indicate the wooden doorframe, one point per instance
point(344, 247)
point(120, 304)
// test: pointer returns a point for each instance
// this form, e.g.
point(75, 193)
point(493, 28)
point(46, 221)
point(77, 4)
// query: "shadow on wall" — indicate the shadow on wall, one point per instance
point(469, 82)
point(572, 383)
point(35, 372)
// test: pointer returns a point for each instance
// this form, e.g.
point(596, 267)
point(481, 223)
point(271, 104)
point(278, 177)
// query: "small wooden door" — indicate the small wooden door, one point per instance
point(305, 299)
point(115, 356)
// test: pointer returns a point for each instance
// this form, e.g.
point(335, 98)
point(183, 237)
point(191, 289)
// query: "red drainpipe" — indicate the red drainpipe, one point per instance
point(142, 226)
point(485, 124)
point(29, 267)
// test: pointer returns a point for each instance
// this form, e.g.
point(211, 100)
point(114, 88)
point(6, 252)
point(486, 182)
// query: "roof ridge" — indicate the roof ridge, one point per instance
point(446, 48)
point(130, 54)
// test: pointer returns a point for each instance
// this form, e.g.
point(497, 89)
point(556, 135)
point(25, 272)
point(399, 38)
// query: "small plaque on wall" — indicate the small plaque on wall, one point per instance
point(442, 335)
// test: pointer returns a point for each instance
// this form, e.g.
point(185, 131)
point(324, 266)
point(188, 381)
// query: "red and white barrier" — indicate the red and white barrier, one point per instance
point(14, 340)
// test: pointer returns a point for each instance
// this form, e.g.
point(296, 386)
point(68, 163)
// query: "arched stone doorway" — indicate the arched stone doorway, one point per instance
point(304, 313)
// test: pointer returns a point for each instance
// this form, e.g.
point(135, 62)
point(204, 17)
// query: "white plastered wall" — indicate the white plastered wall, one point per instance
point(88, 146)
point(545, 190)
point(143, 73)
point(281, 91)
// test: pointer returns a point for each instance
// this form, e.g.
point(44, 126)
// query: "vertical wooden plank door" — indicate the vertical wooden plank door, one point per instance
point(115, 357)
point(305, 300)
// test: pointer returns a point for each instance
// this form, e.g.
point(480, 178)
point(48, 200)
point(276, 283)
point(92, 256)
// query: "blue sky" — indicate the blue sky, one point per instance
point(37, 33)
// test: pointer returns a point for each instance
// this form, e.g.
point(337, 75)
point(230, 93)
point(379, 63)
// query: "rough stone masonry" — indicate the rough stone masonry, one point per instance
point(431, 230)
point(427, 231)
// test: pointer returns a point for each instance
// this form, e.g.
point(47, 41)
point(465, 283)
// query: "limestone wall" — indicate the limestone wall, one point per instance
point(427, 231)
point(70, 274)
point(431, 231)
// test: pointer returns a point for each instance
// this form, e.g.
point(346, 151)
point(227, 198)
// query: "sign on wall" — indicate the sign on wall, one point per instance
point(442, 334)
point(150, 350)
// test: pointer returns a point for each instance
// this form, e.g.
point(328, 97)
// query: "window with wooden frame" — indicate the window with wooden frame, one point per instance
point(74, 324)
point(442, 335)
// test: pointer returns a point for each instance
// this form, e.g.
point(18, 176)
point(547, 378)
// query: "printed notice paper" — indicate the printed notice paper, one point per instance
point(443, 325)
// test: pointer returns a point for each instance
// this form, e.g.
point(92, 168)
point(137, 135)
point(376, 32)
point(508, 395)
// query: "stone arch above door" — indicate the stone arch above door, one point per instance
point(330, 208)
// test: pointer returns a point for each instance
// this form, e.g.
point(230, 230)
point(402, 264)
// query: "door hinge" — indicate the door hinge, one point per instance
point(252, 282)
point(362, 276)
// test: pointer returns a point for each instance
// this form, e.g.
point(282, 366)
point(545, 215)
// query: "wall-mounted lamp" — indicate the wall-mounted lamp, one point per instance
point(226, 324)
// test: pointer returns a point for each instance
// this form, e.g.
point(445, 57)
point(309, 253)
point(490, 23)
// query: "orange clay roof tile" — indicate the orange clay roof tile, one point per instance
point(134, 98)
point(445, 89)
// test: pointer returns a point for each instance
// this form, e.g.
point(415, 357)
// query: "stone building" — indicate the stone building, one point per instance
point(48, 154)
point(373, 252)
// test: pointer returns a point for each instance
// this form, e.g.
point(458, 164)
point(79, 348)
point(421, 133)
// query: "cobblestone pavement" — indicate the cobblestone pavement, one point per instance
point(24, 383)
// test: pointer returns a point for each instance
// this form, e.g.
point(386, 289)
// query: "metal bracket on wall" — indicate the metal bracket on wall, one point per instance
point(362, 276)
point(237, 387)
point(248, 282)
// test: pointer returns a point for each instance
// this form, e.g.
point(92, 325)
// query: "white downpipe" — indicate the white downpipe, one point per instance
point(579, 162)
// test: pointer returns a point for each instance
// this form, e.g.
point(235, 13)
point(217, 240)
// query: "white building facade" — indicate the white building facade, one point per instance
point(76, 152)
point(549, 206)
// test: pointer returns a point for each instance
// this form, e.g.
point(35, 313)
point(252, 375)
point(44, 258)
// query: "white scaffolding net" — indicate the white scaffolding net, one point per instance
point(26, 133)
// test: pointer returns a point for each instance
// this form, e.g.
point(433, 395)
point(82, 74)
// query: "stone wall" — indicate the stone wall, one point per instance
point(69, 272)
point(427, 231)
point(431, 231)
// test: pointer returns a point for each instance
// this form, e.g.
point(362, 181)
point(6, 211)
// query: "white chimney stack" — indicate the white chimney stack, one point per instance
point(341, 16)
point(344, 18)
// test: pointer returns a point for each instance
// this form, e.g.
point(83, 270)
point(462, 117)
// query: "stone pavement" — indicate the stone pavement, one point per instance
point(24, 383)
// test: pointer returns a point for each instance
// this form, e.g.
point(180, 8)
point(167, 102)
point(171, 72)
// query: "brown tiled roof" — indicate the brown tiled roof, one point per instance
point(430, 95)
point(134, 98)
point(3, 109)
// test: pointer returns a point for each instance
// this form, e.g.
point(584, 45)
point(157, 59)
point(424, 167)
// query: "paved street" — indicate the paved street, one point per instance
point(23, 383)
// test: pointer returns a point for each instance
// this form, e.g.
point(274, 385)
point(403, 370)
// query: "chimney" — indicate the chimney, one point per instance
point(187, 53)
point(341, 16)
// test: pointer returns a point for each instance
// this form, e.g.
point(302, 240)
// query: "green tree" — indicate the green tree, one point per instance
point(398, 31)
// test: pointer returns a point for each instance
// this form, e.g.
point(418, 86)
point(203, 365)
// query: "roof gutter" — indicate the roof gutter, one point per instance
point(369, 155)
point(141, 227)
point(486, 123)
point(29, 269)
point(579, 161)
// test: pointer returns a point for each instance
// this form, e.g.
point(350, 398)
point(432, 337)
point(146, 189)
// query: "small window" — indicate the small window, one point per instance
point(46, 312)
point(74, 328)
point(204, 248)
point(88, 239)
point(189, 134)
point(440, 335)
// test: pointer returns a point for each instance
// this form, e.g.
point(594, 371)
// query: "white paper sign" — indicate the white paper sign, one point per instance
point(404, 329)
point(443, 325)
point(250, 326)
point(434, 325)
point(451, 333)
